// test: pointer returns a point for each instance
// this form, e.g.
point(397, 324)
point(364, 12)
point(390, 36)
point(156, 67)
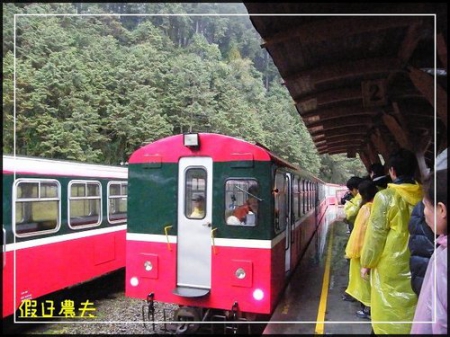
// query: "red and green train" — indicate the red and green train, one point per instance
point(64, 223)
point(220, 260)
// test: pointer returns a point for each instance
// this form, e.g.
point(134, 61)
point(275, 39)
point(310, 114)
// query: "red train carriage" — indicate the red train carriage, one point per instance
point(260, 212)
point(334, 193)
point(64, 223)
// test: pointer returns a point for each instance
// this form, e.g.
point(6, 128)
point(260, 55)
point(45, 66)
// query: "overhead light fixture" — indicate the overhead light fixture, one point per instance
point(191, 140)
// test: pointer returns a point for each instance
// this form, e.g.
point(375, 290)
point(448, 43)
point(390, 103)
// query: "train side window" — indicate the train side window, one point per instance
point(296, 200)
point(195, 193)
point(37, 206)
point(85, 199)
point(241, 202)
point(117, 201)
point(306, 196)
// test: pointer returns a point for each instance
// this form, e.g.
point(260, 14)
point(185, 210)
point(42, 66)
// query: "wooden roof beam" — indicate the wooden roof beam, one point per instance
point(425, 84)
point(338, 132)
point(350, 122)
point(442, 50)
point(396, 130)
point(346, 138)
point(329, 97)
point(338, 27)
point(411, 40)
point(371, 153)
point(337, 113)
point(380, 144)
point(342, 146)
point(338, 71)
point(365, 160)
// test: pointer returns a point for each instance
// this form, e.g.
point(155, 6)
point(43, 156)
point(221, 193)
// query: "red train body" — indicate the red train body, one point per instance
point(217, 261)
point(64, 223)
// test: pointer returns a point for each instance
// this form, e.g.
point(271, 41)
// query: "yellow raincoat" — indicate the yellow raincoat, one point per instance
point(351, 208)
point(358, 287)
point(385, 251)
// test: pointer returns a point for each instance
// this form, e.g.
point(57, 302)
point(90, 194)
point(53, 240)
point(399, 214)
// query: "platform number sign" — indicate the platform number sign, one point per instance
point(374, 92)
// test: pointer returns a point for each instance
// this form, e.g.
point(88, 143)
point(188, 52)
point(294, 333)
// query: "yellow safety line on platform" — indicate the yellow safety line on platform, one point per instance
point(324, 294)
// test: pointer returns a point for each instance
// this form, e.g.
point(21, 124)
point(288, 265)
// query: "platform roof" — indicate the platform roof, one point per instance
point(365, 78)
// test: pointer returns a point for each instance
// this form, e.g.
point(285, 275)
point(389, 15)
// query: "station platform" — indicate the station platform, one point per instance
point(312, 303)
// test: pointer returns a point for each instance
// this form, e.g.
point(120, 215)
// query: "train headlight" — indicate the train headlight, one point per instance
point(240, 273)
point(258, 294)
point(134, 281)
point(148, 266)
point(191, 140)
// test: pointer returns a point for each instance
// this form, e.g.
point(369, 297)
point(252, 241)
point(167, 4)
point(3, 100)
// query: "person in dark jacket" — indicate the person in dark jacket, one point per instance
point(421, 246)
point(421, 238)
point(378, 175)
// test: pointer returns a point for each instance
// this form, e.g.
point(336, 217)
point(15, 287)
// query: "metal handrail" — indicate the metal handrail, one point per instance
point(166, 231)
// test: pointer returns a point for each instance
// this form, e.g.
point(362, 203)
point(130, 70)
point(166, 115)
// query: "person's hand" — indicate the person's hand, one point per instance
point(365, 273)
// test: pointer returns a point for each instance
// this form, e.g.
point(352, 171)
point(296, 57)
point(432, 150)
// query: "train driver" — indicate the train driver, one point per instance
point(246, 213)
point(198, 211)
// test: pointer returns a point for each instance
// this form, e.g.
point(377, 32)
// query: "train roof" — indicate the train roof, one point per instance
point(363, 76)
point(217, 146)
point(56, 167)
point(221, 148)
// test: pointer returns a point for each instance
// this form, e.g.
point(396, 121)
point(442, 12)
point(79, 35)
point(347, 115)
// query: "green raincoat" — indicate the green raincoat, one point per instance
point(385, 251)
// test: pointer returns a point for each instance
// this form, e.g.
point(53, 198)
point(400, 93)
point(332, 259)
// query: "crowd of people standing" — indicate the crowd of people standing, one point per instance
point(391, 247)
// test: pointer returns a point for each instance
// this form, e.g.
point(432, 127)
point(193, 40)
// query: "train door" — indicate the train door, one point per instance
point(194, 226)
point(287, 246)
point(281, 202)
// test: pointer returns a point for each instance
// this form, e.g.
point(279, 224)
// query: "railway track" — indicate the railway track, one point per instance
point(114, 314)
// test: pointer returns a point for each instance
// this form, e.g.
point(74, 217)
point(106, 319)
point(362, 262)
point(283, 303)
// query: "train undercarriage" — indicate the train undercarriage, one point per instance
point(196, 320)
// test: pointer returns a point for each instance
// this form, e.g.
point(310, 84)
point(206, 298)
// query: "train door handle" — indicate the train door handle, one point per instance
point(208, 224)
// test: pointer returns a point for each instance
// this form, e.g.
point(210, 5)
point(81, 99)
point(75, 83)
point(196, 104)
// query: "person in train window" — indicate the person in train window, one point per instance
point(351, 207)
point(199, 207)
point(430, 316)
point(385, 249)
point(247, 212)
point(358, 287)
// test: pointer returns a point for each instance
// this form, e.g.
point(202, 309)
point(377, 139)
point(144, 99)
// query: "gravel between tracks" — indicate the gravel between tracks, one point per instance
point(114, 312)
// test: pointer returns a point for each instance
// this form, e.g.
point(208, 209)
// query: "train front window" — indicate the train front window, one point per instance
point(84, 204)
point(195, 193)
point(37, 206)
point(241, 202)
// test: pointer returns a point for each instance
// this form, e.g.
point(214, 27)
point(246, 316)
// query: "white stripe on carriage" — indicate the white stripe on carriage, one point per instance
point(63, 237)
point(219, 242)
point(36, 166)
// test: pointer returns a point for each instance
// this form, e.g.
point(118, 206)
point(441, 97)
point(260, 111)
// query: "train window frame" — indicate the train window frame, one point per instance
point(122, 197)
point(296, 198)
point(36, 227)
point(229, 202)
point(305, 197)
point(280, 201)
point(83, 220)
point(195, 185)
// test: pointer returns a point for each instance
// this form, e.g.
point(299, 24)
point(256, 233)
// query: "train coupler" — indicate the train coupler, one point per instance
point(150, 306)
point(233, 318)
point(236, 320)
